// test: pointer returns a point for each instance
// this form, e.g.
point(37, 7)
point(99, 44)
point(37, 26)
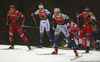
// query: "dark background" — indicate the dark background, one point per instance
point(26, 7)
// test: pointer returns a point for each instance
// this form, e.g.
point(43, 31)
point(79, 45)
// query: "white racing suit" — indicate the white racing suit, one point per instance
point(61, 27)
point(44, 24)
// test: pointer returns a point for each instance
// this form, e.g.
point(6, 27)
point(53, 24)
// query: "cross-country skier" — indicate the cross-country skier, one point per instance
point(15, 25)
point(87, 27)
point(59, 18)
point(74, 29)
point(44, 23)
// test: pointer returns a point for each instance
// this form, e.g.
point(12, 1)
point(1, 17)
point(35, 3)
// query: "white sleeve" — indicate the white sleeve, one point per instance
point(65, 16)
point(47, 11)
point(93, 17)
point(37, 12)
point(53, 16)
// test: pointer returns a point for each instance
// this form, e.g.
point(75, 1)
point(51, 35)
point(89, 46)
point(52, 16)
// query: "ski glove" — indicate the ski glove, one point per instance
point(22, 25)
point(32, 14)
point(8, 23)
point(53, 28)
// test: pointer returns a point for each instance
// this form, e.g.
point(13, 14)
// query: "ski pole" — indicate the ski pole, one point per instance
point(52, 25)
point(35, 21)
point(30, 27)
point(77, 19)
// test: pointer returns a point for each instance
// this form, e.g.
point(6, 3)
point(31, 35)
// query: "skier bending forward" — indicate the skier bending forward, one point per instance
point(59, 18)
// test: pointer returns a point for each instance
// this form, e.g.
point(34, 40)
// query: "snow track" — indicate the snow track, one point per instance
point(21, 54)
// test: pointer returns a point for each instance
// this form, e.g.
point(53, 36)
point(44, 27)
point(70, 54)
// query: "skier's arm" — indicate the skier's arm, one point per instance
point(22, 16)
point(54, 25)
point(35, 13)
point(53, 22)
point(69, 19)
point(48, 13)
point(80, 15)
point(8, 16)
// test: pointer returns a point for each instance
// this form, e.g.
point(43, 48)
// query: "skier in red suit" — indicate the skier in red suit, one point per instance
point(74, 29)
point(87, 27)
point(15, 25)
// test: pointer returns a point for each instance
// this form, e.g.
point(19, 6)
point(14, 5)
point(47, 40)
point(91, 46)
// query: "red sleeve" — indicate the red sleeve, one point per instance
point(22, 16)
point(8, 16)
point(80, 15)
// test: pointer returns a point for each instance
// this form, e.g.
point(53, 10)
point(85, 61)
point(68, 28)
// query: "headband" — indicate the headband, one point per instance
point(12, 6)
point(40, 6)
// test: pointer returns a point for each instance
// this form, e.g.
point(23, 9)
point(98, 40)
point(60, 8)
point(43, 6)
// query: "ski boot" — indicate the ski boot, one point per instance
point(87, 50)
point(56, 51)
point(29, 47)
point(12, 46)
point(40, 46)
point(75, 51)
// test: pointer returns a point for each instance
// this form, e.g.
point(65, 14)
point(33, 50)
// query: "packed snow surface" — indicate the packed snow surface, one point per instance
point(21, 54)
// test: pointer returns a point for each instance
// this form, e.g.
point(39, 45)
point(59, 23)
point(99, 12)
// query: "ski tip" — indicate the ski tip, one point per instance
point(76, 57)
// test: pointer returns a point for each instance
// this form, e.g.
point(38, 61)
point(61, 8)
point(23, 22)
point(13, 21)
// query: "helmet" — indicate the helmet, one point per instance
point(56, 9)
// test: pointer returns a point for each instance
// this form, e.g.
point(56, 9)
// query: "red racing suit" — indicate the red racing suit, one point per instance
point(87, 27)
point(15, 24)
point(74, 29)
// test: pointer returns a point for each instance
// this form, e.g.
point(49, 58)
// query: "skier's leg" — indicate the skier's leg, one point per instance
point(88, 34)
point(41, 39)
point(56, 34)
point(50, 37)
point(75, 39)
point(11, 31)
point(41, 34)
point(48, 31)
point(81, 36)
point(72, 45)
point(20, 31)
point(55, 44)
point(70, 41)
